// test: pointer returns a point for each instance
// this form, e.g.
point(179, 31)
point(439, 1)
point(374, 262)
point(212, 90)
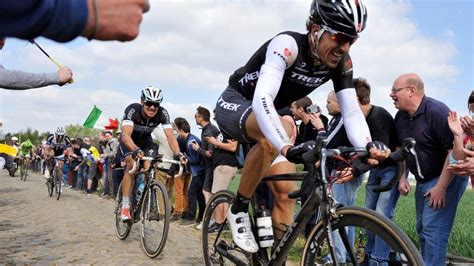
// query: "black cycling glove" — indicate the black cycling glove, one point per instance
point(135, 153)
point(294, 153)
point(376, 144)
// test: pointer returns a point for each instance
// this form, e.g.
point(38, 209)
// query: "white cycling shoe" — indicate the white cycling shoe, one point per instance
point(242, 231)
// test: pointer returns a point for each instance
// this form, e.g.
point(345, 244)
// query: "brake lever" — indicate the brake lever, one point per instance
point(418, 168)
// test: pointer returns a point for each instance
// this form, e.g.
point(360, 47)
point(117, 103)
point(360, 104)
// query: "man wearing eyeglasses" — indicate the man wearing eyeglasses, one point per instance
point(437, 192)
point(139, 121)
point(284, 69)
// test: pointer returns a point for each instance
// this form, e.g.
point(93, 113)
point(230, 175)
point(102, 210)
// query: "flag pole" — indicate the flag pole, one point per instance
point(79, 131)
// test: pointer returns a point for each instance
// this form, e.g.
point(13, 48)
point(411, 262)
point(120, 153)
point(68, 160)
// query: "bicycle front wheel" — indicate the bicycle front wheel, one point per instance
point(350, 226)
point(155, 217)
point(25, 172)
point(122, 228)
point(49, 184)
point(22, 171)
point(218, 248)
point(57, 184)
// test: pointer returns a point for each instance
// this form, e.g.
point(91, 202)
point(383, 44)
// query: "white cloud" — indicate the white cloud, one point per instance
point(190, 48)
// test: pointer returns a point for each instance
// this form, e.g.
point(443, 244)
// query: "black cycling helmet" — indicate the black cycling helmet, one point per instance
point(344, 16)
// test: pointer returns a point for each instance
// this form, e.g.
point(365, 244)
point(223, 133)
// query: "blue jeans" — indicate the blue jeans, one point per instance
point(105, 180)
point(383, 203)
point(345, 194)
point(65, 170)
point(434, 226)
point(82, 175)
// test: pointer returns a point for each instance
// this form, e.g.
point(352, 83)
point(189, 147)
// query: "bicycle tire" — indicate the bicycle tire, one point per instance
point(218, 247)
point(58, 183)
point(22, 171)
point(49, 184)
point(155, 219)
point(314, 250)
point(121, 228)
point(26, 171)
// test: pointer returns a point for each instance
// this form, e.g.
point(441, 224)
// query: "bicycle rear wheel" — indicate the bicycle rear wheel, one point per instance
point(218, 248)
point(122, 228)
point(316, 250)
point(155, 217)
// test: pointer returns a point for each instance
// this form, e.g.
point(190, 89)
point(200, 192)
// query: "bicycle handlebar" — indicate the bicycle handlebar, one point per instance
point(319, 152)
point(136, 164)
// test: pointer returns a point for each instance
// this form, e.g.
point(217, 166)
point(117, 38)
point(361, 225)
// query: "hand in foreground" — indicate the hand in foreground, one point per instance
point(65, 75)
point(117, 19)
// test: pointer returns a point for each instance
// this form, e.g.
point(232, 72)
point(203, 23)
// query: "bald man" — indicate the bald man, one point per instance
point(437, 192)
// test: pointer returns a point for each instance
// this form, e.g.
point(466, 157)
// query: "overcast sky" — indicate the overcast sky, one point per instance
point(190, 48)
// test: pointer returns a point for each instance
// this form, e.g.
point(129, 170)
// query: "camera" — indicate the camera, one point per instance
point(313, 109)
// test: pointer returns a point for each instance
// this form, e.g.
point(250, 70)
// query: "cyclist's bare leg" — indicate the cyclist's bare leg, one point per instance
point(127, 177)
point(258, 159)
point(60, 169)
point(283, 208)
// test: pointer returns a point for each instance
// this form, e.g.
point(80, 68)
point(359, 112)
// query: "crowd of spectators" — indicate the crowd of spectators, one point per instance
point(96, 164)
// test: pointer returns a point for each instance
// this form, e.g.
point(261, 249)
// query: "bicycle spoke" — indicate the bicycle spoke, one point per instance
point(354, 224)
point(155, 217)
point(122, 228)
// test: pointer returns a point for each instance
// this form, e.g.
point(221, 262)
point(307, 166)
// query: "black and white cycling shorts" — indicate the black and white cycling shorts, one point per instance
point(231, 113)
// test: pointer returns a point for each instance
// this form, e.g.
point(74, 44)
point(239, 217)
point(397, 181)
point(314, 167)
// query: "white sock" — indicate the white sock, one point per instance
point(125, 202)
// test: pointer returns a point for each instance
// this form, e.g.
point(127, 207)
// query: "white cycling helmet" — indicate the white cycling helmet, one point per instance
point(152, 94)
point(60, 131)
point(14, 138)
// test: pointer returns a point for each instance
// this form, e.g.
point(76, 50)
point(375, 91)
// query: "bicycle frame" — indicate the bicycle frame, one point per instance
point(314, 186)
point(318, 198)
point(149, 181)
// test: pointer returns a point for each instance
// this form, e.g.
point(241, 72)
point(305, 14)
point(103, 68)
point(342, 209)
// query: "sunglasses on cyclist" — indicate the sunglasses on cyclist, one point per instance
point(340, 38)
point(152, 104)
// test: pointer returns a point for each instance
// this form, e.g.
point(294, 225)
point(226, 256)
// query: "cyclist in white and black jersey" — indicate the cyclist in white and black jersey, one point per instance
point(55, 146)
point(284, 69)
point(139, 121)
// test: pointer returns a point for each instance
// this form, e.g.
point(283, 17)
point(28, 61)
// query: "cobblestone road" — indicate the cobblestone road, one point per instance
point(77, 229)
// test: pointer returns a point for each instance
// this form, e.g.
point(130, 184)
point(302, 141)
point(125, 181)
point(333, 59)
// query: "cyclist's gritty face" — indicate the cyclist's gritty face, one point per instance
point(329, 50)
point(149, 110)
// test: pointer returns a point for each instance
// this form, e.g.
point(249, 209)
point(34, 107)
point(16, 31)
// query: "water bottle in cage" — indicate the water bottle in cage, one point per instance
point(140, 186)
point(264, 228)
